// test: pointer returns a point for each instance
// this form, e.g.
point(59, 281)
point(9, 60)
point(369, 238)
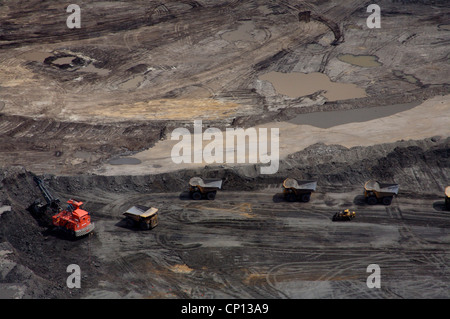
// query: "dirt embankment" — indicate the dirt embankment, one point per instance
point(44, 145)
point(416, 165)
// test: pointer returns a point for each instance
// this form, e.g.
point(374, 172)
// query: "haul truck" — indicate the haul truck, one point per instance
point(204, 188)
point(143, 217)
point(298, 190)
point(376, 192)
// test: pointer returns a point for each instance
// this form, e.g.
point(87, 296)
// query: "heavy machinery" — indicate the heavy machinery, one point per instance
point(204, 188)
point(376, 192)
point(52, 202)
point(294, 190)
point(72, 220)
point(143, 217)
point(344, 215)
point(447, 198)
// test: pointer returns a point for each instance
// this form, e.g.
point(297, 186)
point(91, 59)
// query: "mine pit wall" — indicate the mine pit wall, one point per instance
point(420, 167)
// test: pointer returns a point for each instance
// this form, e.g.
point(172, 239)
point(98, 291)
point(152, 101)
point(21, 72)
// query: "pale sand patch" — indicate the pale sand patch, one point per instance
point(428, 119)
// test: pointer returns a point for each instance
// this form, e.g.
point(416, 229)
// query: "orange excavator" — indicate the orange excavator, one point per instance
point(72, 220)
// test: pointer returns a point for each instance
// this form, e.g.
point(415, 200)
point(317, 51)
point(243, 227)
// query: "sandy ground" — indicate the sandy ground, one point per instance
point(162, 68)
point(424, 121)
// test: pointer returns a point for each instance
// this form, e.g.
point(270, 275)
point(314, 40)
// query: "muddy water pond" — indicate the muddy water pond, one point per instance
point(367, 61)
point(298, 84)
point(39, 56)
point(334, 118)
point(64, 60)
point(125, 161)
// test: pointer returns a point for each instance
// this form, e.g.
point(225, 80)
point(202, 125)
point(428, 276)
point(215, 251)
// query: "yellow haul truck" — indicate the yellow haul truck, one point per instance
point(294, 190)
point(204, 188)
point(376, 192)
point(143, 217)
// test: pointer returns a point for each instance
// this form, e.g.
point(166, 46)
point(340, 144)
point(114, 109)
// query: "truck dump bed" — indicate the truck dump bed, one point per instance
point(205, 183)
point(300, 185)
point(144, 217)
point(140, 211)
point(378, 187)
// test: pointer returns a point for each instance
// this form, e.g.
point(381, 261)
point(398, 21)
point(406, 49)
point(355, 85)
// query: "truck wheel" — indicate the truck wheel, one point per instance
point(387, 200)
point(144, 226)
point(128, 222)
point(372, 200)
point(196, 195)
point(290, 197)
point(211, 195)
point(306, 197)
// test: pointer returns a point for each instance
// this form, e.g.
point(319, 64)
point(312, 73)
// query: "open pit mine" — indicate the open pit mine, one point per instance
point(224, 149)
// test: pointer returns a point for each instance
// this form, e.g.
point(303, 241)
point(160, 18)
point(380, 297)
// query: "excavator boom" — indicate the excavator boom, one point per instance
point(52, 202)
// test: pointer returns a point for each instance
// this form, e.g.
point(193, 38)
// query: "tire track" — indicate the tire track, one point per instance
point(434, 259)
